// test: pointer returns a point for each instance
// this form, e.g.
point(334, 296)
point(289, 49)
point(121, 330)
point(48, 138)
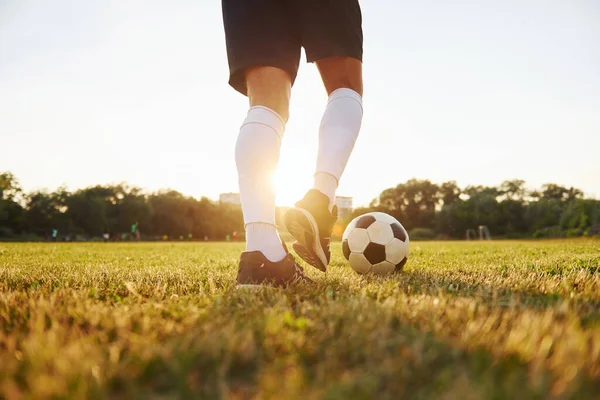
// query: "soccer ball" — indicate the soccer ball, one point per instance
point(375, 243)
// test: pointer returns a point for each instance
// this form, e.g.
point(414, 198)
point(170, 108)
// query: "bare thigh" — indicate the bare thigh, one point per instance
point(269, 87)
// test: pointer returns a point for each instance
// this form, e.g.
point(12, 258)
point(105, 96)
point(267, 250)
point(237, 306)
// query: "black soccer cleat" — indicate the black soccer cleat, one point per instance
point(311, 224)
point(255, 271)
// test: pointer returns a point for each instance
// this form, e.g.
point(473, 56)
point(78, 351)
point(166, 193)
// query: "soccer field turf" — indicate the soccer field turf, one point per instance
point(466, 320)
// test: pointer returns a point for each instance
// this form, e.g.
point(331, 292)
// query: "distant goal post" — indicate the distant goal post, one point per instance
point(482, 233)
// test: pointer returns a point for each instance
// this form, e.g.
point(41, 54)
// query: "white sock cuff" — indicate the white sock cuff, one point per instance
point(345, 92)
point(270, 223)
point(337, 179)
point(265, 116)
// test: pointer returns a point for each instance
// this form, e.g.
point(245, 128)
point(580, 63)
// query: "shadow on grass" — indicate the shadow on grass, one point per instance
point(473, 285)
point(409, 365)
point(353, 349)
point(470, 285)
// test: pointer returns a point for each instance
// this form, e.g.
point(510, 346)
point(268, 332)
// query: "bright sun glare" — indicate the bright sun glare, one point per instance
point(290, 185)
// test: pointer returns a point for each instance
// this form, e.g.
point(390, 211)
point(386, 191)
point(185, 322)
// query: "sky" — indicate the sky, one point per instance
point(106, 91)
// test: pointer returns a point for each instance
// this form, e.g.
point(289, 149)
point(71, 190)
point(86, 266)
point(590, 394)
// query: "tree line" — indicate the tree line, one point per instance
point(426, 209)
point(508, 210)
point(112, 209)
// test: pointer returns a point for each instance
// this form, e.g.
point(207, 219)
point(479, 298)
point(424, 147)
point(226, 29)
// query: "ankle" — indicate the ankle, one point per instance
point(263, 237)
point(326, 184)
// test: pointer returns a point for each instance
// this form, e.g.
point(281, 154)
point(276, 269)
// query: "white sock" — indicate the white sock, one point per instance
point(256, 157)
point(327, 184)
point(264, 238)
point(337, 134)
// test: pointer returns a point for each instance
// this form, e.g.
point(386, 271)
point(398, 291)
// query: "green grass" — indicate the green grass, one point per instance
point(464, 320)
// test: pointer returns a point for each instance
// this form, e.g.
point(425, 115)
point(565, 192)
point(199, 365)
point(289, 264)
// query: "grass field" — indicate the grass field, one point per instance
point(464, 321)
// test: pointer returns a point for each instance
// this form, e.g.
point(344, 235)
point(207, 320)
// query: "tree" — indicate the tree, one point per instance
point(173, 213)
point(11, 211)
point(512, 220)
point(480, 208)
point(449, 192)
point(574, 194)
point(9, 186)
point(544, 213)
point(514, 189)
point(413, 202)
point(507, 211)
point(89, 208)
point(479, 190)
point(578, 215)
point(554, 191)
point(128, 206)
point(44, 212)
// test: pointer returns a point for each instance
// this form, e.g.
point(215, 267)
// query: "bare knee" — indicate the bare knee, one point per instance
point(341, 72)
point(269, 87)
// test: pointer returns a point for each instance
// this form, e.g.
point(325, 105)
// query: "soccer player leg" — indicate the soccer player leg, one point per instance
point(332, 37)
point(266, 260)
point(263, 51)
point(311, 222)
point(257, 156)
point(341, 121)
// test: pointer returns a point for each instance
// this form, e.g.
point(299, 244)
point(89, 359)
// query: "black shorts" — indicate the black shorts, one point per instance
point(272, 33)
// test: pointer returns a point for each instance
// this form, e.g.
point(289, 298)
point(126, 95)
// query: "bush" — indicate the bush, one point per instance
point(574, 233)
point(422, 234)
point(514, 236)
point(24, 237)
point(593, 231)
point(549, 232)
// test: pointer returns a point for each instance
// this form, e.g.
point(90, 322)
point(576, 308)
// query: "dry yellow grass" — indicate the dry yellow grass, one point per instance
point(465, 320)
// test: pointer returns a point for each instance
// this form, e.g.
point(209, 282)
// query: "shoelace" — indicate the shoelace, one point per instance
point(297, 268)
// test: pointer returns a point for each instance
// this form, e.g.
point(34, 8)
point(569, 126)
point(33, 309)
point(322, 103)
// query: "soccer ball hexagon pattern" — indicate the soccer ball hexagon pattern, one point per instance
point(375, 243)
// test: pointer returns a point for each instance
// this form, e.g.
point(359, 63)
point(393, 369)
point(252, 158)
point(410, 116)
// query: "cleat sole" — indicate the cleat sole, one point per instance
point(303, 227)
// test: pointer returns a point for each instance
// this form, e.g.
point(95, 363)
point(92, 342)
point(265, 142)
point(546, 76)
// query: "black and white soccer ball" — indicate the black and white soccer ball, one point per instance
point(375, 243)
